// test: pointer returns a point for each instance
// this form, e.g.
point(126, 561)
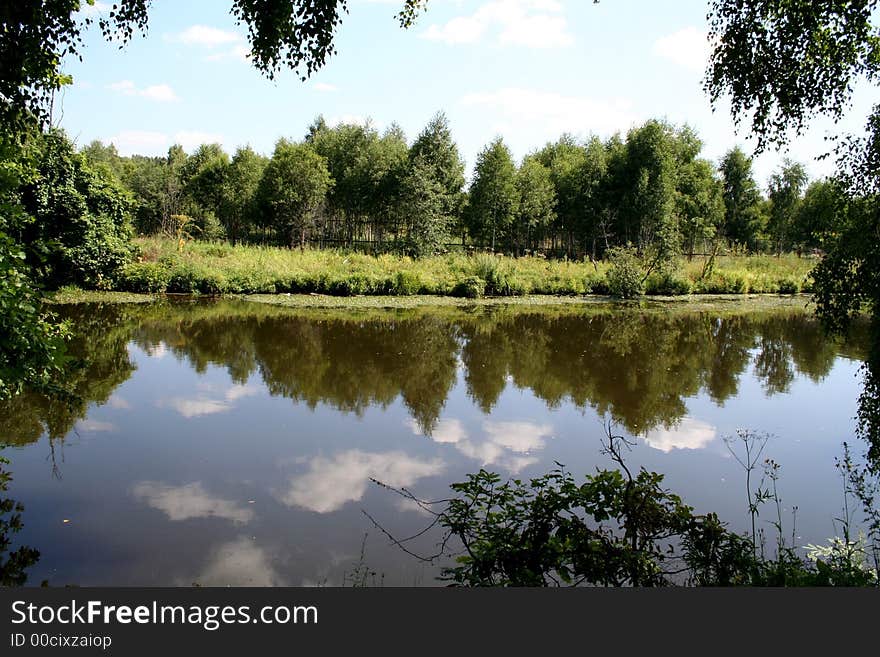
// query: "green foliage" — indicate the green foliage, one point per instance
point(536, 202)
point(472, 287)
point(494, 197)
point(786, 188)
point(781, 62)
point(80, 216)
point(667, 284)
point(31, 346)
point(145, 277)
point(13, 563)
point(406, 283)
point(743, 218)
point(821, 215)
point(422, 208)
point(625, 277)
point(618, 528)
point(293, 185)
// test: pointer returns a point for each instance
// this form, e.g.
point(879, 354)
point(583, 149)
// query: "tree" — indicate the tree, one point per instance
point(239, 191)
point(782, 63)
point(422, 210)
point(203, 178)
point(536, 202)
point(293, 186)
point(80, 217)
point(821, 215)
point(493, 198)
point(786, 188)
point(363, 166)
point(699, 202)
point(435, 147)
point(565, 159)
point(649, 200)
point(742, 200)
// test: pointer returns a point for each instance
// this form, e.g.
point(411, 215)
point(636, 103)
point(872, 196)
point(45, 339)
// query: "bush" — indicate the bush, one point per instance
point(144, 277)
point(789, 286)
point(721, 282)
point(624, 277)
point(405, 283)
point(595, 283)
point(667, 285)
point(471, 287)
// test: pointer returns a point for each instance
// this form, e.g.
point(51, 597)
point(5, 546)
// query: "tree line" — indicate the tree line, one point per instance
point(349, 185)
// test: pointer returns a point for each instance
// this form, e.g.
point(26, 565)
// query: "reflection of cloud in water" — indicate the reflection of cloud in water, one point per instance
point(240, 563)
point(330, 483)
point(689, 433)
point(157, 350)
point(505, 444)
point(118, 402)
point(520, 437)
point(94, 425)
point(204, 405)
point(446, 431)
point(189, 501)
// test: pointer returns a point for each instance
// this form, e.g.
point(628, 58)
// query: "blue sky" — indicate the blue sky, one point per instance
point(527, 70)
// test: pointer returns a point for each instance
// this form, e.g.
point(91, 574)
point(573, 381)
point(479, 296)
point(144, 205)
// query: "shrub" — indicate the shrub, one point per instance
point(405, 283)
point(789, 286)
point(721, 282)
point(624, 276)
point(471, 287)
point(98, 260)
point(667, 284)
point(144, 277)
point(595, 283)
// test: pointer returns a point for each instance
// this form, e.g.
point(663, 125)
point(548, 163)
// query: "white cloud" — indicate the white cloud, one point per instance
point(203, 35)
point(330, 483)
point(689, 433)
point(323, 86)
point(240, 563)
point(191, 139)
point(189, 501)
point(688, 47)
point(93, 9)
point(349, 119)
point(555, 113)
point(529, 23)
point(238, 52)
point(162, 93)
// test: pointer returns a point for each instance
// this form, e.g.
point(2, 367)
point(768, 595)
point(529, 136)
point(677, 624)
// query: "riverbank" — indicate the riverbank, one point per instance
point(737, 303)
point(217, 268)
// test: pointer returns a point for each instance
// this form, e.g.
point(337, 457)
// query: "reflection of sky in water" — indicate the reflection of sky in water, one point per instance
point(688, 433)
point(333, 482)
point(186, 476)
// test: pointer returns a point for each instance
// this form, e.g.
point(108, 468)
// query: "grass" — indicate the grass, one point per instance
point(72, 294)
point(216, 268)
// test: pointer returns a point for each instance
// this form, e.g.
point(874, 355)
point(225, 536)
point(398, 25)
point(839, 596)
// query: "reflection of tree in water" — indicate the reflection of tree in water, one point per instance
point(869, 401)
point(100, 364)
point(637, 366)
point(13, 563)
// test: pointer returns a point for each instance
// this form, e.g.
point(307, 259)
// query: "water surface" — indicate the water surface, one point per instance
point(221, 442)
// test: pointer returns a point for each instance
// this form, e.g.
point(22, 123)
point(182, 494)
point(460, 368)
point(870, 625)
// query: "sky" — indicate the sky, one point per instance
point(525, 70)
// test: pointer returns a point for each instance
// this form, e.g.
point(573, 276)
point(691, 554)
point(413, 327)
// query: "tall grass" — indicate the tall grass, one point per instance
point(216, 268)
